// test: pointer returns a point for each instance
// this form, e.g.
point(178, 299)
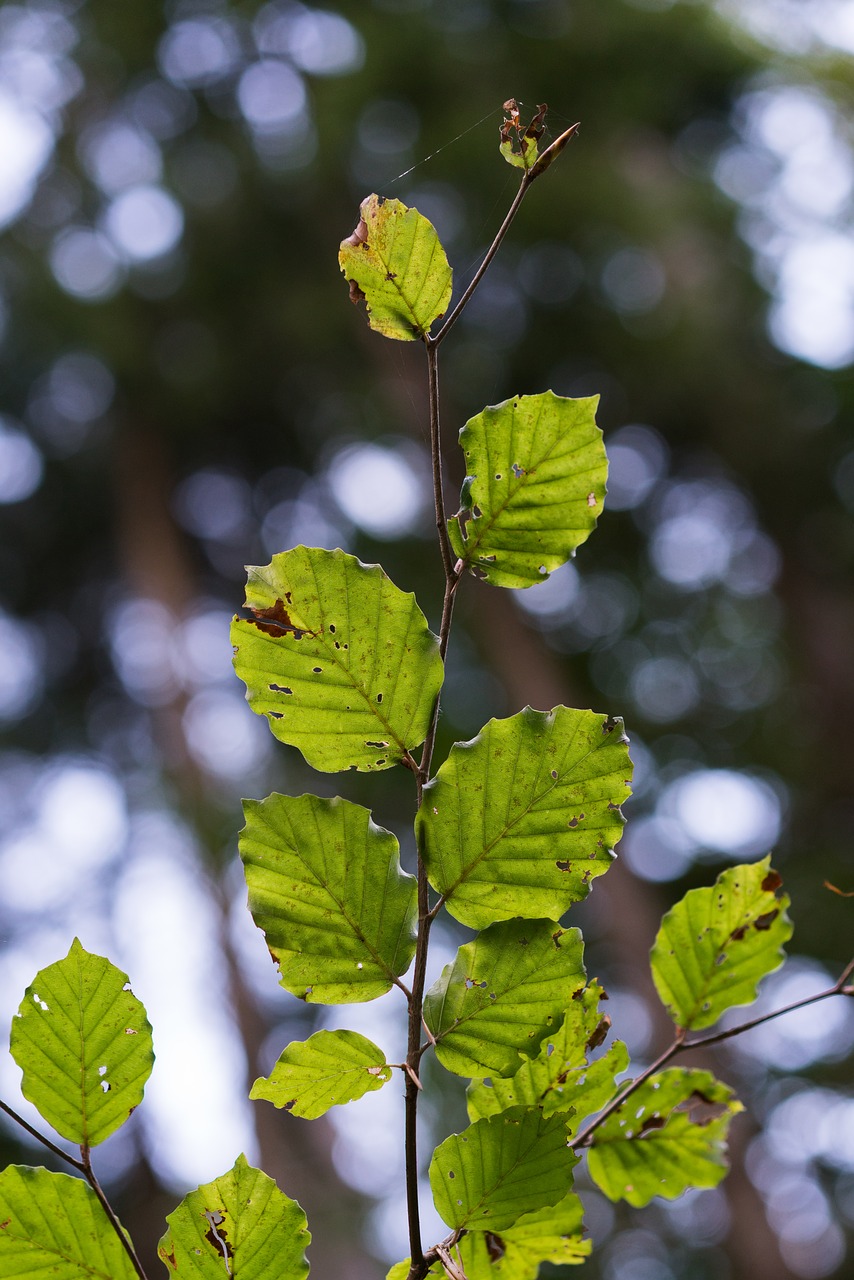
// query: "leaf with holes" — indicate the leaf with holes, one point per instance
point(52, 1225)
point(326, 888)
point(326, 1070)
point(537, 471)
point(239, 1226)
point(716, 945)
point(83, 1043)
point(396, 265)
point(668, 1136)
point(500, 1168)
point(552, 1235)
point(340, 660)
point(560, 1078)
point(502, 995)
point(519, 820)
point(519, 142)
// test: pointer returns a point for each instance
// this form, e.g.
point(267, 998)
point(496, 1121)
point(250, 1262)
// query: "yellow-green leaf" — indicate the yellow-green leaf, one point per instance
point(668, 1136)
point(396, 264)
point(326, 888)
point(536, 471)
point(326, 1070)
point(238, 1227)
point(518, 821)
point(339, 659)
point(715, 946)
point(83, 1043)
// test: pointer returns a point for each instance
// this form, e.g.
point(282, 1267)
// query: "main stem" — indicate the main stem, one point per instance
point(419, 1265)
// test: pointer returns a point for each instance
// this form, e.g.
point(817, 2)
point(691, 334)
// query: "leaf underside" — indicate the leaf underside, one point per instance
point(396, 264)
point(500, 1168)
point(537, 469)
point(326, 888)
point(560, 1078)
point(716, 945)
point(83, 1043)
point(239, 1226)
point(339, 659)
point(328, 1069)
point(519, 820)
point(649, 1148)
point(51, 1225)
point(502, 995)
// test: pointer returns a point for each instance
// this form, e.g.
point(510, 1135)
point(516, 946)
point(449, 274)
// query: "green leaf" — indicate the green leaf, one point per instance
point(502, 995)
point(239, 1226)
point(83, 1043)
point(519, 820)
point(500, 1168)
point(552, 1234)
point(648, 1148)
point(326, 888)
point(340, 660)
point(716, 945)
point(396, 264)
point(51, 1225)
point(538, 471)
point(326, 1070)
point(559, 1078)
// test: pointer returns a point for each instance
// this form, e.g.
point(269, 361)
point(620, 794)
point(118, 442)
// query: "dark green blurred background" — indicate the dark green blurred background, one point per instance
point(186, 389)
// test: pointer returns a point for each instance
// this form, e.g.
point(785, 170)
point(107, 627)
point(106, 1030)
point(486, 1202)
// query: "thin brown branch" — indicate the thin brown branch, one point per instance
point(436, 454)
point(124, 1238)
point(46, 1142)
point(681, 1045)
point(839, 988)
point(487, 258)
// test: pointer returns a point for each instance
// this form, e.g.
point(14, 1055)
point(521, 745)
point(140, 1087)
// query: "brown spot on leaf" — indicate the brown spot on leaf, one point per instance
point(562, 866)
point(4, 1224)
point(738, 934)
point(651, 1122)
point(772, 881)
point(599, 1032)
point(494, 1246)
point(356, 294)
point(279, 688)
point(274, 620)
point(765, 921)
point(169, 1258)
point(289, 1106)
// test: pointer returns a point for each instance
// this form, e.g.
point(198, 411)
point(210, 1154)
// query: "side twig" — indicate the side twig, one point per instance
point(681, 1045)
point(39, 1137)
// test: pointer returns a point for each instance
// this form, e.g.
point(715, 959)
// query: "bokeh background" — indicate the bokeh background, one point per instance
point(185, 389)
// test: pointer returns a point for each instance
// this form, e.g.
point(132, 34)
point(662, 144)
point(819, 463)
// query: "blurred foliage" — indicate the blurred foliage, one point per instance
point(193, 413)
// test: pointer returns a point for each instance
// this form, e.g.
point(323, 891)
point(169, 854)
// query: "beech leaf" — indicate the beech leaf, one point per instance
point(83, 1043)
point(669, 1135)
point(238, 1227)
point(339, 659)
point(502, 995)
point(396, 264)
point(500, 1168)
point(536, 471)
point(716, 945)
point(326, 888)
point(519, 820)
point(328, 1069)
point(552, 1234)
point(560, 1078)
point(52, 1225)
